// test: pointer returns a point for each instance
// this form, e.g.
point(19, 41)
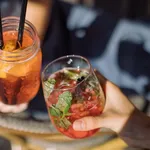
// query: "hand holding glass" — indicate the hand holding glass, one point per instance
point(19, 67)
point(71, 91)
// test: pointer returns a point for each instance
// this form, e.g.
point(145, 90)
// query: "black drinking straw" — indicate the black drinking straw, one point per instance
point(1, 32)
point(21, 23)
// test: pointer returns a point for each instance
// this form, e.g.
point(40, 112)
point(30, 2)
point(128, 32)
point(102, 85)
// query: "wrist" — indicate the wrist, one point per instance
point(136, 120)
point(120, 120)
point(117, 123)
point(136, 130)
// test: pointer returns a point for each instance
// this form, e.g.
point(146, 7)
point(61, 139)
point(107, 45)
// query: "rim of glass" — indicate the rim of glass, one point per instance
point(31, 26)
point(67, 56)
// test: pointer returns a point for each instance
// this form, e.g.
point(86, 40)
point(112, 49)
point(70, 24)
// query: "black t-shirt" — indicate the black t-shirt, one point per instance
point(75, 29)
point(119, 48)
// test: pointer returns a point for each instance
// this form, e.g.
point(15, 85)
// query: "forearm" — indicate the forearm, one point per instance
point(38, 13)
point(136, 132)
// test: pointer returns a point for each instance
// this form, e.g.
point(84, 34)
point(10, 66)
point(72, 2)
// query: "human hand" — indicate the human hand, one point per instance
point(116, 112)
point(12, 108)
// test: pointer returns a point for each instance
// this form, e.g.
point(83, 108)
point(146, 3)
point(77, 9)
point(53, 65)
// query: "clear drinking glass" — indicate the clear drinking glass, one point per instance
point(19, 68)
point(71, 91)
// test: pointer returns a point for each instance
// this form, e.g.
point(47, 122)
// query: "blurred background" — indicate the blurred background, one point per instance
point(114, 35)
point(123, 8)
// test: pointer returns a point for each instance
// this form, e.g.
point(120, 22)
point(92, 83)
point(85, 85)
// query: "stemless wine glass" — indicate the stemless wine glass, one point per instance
point(71, 91)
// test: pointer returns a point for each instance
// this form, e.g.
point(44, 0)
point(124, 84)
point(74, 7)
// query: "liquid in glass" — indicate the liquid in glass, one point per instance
point(71, 94)
point(19, 68)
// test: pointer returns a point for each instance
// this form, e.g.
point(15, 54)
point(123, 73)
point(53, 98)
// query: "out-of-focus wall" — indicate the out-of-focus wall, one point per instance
point(10, 7)
point(123, 8)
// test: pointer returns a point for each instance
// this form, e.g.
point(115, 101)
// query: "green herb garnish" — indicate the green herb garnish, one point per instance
point(75, 75)
point(64, 102)
point(49, 86)
point(71, 74)
point(54, 111)
point(61, 108)
point(65, 123)
point(51, 81)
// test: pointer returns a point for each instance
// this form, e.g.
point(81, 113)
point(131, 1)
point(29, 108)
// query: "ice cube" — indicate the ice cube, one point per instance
point(20, 69)
point(10, 45)
point(4, 68)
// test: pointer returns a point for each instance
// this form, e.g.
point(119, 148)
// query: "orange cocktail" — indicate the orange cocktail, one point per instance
point(19, 68)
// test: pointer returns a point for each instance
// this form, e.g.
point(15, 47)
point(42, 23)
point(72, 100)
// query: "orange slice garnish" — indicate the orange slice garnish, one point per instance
point(10, 46)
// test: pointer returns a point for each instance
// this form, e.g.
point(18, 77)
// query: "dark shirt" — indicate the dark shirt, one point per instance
point(119, 48)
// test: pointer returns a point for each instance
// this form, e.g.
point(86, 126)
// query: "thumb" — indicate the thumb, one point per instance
point(88, 123)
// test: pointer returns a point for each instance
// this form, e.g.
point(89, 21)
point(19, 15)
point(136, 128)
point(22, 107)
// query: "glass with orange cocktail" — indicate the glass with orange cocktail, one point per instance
point(19, 68)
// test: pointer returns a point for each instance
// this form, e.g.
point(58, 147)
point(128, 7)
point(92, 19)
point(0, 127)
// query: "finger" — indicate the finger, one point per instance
point(12, 109)
point(5, 109)
point(20, 108)
point(88, 123)
point(102, 80)
point(100, 77)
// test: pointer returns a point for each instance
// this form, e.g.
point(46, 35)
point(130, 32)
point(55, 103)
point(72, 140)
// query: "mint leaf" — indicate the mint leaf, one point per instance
point(51, 81)
point(62, 123)
point(75, 75)
point(64, 102)
point(54, 111)
point(72, 75)
point(65, 123)
point(48, 87)
point(61, 108)
point(83, 73)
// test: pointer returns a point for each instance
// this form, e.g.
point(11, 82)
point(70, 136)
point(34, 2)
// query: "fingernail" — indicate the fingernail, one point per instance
point(78, 125)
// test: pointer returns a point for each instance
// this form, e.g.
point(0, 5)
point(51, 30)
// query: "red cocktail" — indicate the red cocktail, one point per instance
point(72, 91)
